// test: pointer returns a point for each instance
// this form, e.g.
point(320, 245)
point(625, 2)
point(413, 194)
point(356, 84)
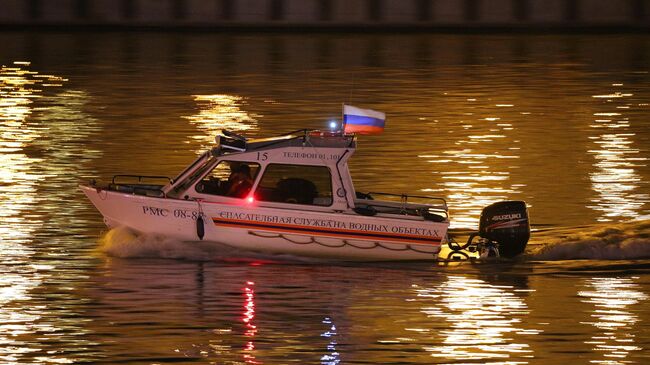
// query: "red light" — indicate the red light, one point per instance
point(250, 200)
point(249, 316)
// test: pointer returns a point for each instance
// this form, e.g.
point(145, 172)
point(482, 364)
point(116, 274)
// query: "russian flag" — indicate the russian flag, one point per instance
point(362, 121)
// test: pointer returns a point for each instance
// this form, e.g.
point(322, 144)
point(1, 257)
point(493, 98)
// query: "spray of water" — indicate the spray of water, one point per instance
point(624, 241)
point(123, 242)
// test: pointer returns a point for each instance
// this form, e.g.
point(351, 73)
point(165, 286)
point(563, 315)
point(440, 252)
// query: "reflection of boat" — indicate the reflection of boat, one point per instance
point(293, 194)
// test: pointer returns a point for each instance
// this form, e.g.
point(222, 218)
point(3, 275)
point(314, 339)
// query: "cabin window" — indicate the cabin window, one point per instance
point(229, 178)
point(296, 184)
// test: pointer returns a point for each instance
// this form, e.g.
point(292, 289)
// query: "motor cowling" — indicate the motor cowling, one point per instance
point(506, 223)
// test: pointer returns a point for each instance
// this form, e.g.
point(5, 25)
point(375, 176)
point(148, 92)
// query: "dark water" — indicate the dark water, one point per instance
point(562, 122)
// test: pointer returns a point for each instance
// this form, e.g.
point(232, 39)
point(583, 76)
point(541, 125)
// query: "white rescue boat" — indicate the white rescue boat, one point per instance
point(293, 195)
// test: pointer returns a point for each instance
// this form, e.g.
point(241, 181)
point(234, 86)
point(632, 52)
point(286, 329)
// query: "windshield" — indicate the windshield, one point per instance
point(191, 167)
point(201, 169)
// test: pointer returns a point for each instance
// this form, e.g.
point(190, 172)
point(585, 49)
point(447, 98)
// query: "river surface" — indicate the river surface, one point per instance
point(560, 121)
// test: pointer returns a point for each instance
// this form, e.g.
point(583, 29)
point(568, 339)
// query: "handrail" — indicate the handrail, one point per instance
point(405, 197)
point(429, 212)
point(140, 177)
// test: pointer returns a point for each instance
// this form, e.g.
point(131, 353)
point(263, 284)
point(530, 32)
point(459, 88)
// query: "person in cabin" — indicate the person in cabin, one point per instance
point(240, 181)
point(225, 185)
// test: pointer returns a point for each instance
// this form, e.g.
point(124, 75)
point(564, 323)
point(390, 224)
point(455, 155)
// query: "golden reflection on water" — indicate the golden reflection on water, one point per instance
point(615, 178)
point(217, 112)
point(17, 193)
point(19, 180)
point(476, 174)
point(483, 321)
point(613, 317)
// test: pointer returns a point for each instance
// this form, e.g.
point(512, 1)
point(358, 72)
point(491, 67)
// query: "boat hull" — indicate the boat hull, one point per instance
point(267, 230)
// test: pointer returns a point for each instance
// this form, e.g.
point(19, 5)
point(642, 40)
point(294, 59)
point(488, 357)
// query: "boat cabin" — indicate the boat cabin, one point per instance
point(308, 169)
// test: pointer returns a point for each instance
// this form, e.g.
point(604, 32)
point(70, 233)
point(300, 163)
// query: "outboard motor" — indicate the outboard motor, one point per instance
point(506, 223)
point(503, 228)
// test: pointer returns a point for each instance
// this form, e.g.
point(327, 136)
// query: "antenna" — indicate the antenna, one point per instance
point(351, 89)
point(349, 103)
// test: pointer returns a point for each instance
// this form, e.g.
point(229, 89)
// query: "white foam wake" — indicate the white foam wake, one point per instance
point(624, 241)
point(123, 242)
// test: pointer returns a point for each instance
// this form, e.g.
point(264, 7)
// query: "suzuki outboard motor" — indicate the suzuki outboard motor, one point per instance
point(506, 223)
point(503, 229)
